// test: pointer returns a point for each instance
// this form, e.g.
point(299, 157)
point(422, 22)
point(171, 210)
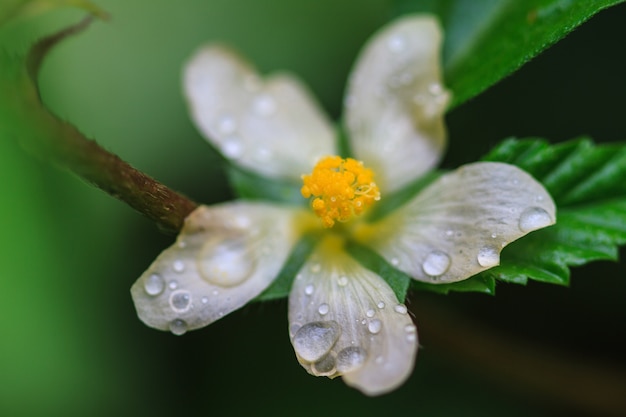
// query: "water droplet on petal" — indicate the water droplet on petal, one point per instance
point(370, 313)
point(342, 281)
point(494, 235)
point(154, 284)
point(232, 148)
point(225, 262)
point(488, 257)
point(178, 266)
point(350, 359)
point(411, 337)
point(374, 326)
point(534, 218)
point(264, 105)
point(180, 301)
point(410, 328)
point(436, 263)
point(178, 327)
point(204, 300)
point(396, 43)
point(400, 308)
point(380, 305)
point(395, 261)
point(308, 290)
point(323, 309)
point(314, 340)
point(227, 125)
point(325, 366)
point(173, 284)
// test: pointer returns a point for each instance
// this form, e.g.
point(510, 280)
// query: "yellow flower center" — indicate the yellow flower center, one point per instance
point(339, 189)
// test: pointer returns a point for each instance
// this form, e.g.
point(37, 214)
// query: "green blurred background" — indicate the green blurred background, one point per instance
point(70, 342)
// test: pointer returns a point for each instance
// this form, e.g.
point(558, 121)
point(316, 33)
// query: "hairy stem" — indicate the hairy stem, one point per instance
point(64, 145)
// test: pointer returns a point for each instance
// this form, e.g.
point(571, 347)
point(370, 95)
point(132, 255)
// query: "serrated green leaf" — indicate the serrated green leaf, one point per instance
point(12, 9)
point(477, 283)
point(587, 184)
point(487, 40)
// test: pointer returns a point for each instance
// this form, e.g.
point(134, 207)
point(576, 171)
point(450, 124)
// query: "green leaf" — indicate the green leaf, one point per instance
point(477, 283)
point(397, 280)
point(488, 40)
point(281, 286)
point(13, 9)
point(587, 184)
point(252, 186)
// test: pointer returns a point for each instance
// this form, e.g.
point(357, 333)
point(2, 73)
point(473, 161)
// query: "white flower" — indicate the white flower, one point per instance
point(344, 320)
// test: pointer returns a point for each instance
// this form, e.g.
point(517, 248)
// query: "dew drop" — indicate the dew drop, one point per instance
point(488, 257)
point(204, 300)
point(314, 340)
point(436, 263)
point(411, 337)
point(264, 105)
point(227, 125)
point(308, 290)
point(178, 327)
point(396, 43)
point(374, 326)
point(342, 281)
point(410, 328)
point(173, 284)
point(435, 89)
point(325, 366)
point(294, 328)
point(154, 284)
point(494, 235)
point(370, 313)
point(350, 359)
point(180, 301)
point(400, 309)
point(178, 266)
point(215, 292)
point(232, 148)
point(323, 309)
point(395, 261)
point(534, 218)
point(225, 262)
point(449, 233)
point(380, 305)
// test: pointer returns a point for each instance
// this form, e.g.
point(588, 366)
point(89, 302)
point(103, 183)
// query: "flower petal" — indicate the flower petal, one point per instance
point(272, 127)
point(458, 225)
point(345, 320)
point(395, 102)
point(224, 256)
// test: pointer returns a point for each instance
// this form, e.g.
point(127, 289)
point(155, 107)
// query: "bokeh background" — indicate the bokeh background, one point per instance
point(70, 342)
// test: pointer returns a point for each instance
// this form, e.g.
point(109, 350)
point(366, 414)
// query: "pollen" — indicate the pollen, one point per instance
point(339, 189)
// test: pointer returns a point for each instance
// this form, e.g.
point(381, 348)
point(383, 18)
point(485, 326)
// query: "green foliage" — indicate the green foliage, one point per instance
point(282, 284)
point(587, 184)
point(488, 40)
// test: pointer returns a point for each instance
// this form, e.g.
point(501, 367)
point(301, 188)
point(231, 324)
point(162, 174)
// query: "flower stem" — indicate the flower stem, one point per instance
point(43, 134)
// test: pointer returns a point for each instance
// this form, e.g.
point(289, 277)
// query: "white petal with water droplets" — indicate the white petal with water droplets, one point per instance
point(459, 224)
point(344, 320)
point(272, 126)
point(224, 256)
point(395, 102)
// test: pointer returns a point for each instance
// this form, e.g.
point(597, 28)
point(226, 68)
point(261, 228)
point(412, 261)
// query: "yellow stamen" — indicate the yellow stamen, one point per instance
point(339, 189)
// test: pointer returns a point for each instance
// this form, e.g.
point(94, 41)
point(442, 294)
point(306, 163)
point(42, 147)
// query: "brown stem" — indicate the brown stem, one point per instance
point(66, 146)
